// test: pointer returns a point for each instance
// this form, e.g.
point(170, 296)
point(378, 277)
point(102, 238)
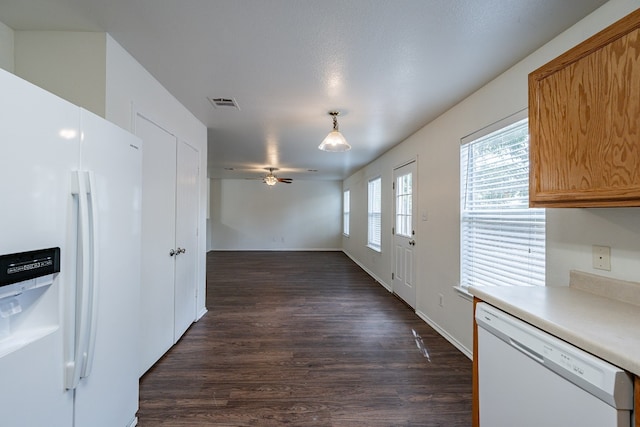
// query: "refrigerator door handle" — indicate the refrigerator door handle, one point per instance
point(80, 342)
point(93, 277)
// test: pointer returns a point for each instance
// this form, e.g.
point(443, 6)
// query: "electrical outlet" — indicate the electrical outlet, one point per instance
point(601, 257)
point(441, 300)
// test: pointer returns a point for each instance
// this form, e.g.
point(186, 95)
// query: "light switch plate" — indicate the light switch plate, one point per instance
point(601, 257)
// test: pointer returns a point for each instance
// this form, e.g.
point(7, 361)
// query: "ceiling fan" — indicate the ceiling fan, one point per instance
point(271, 179)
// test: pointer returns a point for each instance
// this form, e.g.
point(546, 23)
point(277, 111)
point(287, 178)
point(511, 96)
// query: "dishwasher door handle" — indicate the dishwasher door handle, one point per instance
point(526, 350)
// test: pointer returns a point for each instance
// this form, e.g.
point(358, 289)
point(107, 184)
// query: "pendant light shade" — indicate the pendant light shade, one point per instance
point(334, 142)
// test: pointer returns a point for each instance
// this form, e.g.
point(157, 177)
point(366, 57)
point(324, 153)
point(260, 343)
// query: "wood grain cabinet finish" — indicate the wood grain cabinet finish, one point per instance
point(584, 123)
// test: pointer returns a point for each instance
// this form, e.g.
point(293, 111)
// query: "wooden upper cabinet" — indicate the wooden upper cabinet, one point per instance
point(584, 122)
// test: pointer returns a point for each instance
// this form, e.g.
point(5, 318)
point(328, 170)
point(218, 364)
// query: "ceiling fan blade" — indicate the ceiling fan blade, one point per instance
point(285, 180)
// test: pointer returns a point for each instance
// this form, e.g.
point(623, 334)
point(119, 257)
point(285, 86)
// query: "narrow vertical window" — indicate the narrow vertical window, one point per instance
point(346, 209)
point(374, 212)
point(502, 240)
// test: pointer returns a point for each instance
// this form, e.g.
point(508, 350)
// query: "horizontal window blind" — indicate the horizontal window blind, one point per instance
point(346, 210)
point(374, 211)
point(502, 239)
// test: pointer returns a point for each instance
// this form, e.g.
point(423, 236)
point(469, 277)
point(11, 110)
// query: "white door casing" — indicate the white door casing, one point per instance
point(404, 236)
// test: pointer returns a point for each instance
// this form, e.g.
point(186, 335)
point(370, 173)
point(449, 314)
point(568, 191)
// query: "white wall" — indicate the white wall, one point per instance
point(67, 63)
point(377, 264)
point(249, 215)
point(570, 232)
point(6, 48)
point(129, 88)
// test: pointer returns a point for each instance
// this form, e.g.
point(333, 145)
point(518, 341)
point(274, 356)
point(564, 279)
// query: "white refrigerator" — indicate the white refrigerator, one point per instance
point(70, 183)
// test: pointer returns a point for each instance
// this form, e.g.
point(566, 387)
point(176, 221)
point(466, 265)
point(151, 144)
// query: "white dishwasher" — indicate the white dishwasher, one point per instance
point(529, 378)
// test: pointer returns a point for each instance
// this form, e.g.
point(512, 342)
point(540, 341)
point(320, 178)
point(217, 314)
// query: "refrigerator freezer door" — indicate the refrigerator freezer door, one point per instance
point(40, 143)
point(107, 395)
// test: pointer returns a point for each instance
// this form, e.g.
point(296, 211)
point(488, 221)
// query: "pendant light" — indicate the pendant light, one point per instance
point(334, 142)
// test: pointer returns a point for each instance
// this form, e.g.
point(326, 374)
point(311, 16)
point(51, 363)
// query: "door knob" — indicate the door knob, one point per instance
point(172, 252)
point(412, 242)
point(180, 251)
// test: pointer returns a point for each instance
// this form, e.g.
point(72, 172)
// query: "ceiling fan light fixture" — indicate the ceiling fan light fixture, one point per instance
point(334, 142)
point(270, 180)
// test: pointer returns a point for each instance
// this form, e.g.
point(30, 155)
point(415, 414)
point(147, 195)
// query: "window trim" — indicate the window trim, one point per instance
point(496, 126)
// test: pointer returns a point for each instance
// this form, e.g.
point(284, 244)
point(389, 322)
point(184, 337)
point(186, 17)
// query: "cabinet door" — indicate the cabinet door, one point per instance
point(158, 239)
point(585, 135)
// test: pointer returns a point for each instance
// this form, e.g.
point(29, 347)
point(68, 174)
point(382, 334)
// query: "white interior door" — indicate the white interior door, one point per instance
point(158, 240)
point(186, 237)
point(404, 239)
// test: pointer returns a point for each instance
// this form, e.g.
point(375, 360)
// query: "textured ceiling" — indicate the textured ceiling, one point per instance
point(389, 66)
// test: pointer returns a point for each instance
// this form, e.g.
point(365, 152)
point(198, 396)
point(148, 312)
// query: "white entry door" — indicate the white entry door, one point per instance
point(404, 238)
point(186, 237)
point(158, 241)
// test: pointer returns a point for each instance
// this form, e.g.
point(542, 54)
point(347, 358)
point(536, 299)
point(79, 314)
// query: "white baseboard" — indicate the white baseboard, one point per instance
point(201, 313)
point(276, 250)
point(457, 344)
point(370, 273)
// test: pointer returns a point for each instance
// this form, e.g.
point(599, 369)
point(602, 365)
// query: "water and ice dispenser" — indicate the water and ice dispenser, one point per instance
point(21, 272)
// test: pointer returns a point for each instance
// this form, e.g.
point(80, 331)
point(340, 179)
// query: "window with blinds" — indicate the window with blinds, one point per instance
point(502, 239)
point(346, 210)
point(374, 212)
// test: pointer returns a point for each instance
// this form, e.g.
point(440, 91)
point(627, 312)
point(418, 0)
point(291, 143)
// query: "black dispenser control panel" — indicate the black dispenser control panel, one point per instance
point(28, 265)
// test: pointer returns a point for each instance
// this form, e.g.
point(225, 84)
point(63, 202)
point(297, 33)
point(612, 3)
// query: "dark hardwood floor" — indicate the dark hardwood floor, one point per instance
point(305, 339)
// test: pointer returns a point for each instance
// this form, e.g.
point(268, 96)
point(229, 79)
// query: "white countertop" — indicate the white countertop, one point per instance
point(605, 327)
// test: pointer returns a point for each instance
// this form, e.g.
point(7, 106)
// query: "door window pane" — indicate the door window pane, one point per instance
point(404, 201)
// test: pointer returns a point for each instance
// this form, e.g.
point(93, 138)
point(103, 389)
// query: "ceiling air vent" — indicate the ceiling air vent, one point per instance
point(224, 103)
